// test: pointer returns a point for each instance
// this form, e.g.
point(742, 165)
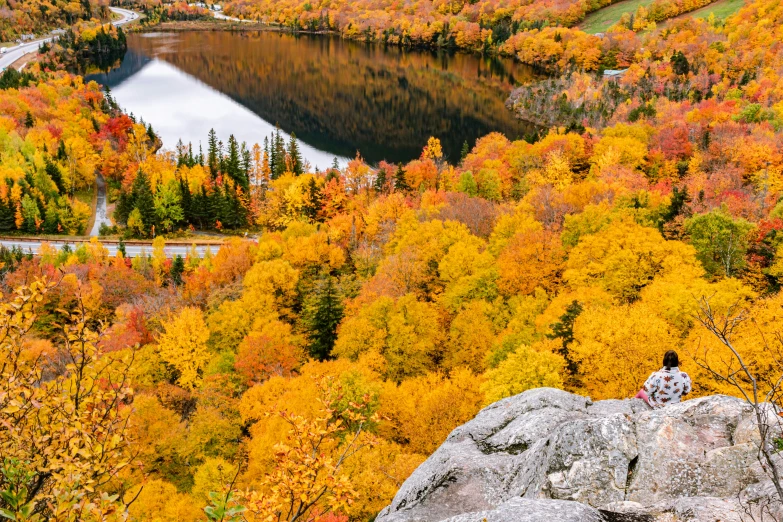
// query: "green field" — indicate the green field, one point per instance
point(722, 9)
point(603, 19)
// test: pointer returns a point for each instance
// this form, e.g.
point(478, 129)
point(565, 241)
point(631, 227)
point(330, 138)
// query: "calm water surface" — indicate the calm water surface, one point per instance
point(338, 97)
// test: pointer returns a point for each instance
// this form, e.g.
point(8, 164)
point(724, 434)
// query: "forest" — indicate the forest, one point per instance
point(304, 371)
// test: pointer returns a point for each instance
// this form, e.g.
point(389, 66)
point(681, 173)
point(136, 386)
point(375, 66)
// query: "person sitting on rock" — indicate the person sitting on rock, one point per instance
point(666, 386)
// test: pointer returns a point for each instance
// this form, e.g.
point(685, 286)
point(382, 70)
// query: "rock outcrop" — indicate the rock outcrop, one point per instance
point(548, 455)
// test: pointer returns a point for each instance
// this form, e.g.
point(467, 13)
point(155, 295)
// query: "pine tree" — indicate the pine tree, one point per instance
point(213, 162)
point(400, 183)
point(177, 269)
point(121, 248)
point(322, 314)
point(294, 156)
point(7, 216)
point(245, 165)
point(380, 181)
point(200, 210)
point(29, 122)
point(186, 200)
point(270, 153)
point(280, 154)
point(54, 173)
point(465, 151)
point(314, 200)
point(123, 208)
point(151, 134)
point(232, 162)
point(144, 201)
point(564, 330)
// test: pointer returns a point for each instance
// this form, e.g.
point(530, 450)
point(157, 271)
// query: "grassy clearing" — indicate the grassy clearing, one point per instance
point(722, 9)
point(603, 19)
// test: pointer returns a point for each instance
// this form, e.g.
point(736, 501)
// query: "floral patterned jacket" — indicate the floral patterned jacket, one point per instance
point(667, 386)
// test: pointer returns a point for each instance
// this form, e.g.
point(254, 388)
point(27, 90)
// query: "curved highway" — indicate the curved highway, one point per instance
point(14, 53)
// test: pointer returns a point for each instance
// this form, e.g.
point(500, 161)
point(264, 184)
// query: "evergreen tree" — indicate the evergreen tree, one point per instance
point(29, 122)
point(144, 201)
point(213, 162)
point(564, 330)
point(54, 173)
point(200, 210)
point(221, 157)
point(7, 217)
point(294, 156)
point(151, 134)
point(322, 314)
point(123, 208)
point(314, 200)
point(121, 248)
point(177, 269)
point(186, 201)
point(232, 162)
point(280, 153)
point(465, 151)
point(182, 158)
point(400, 183)
point(245, 165)
point(380, 181)
point(61, 153)
point(335, 164)
point(269, 153)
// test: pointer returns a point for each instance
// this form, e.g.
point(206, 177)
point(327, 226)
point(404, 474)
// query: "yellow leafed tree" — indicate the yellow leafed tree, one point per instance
point(183, 346)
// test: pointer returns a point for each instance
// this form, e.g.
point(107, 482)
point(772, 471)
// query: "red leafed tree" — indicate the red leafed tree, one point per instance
point(262, 356)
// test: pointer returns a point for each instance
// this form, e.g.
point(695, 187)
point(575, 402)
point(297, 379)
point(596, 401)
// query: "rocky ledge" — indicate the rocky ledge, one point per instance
point(548, 455)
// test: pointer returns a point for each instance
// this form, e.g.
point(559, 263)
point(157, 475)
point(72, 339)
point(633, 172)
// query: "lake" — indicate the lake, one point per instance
point(338, 97)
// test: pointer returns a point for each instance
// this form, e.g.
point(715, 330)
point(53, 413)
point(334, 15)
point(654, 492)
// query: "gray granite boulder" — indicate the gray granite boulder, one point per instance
point(550, 455)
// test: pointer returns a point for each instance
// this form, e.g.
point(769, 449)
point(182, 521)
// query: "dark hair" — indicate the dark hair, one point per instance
point(670, 360)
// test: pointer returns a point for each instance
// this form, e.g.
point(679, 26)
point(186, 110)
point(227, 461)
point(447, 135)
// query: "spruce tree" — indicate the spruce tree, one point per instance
point(212, 153)
point(245, 165)
point(177, 269)
point(270, 154)
point(322, 314)
point(295, 157)
point(123, 208)
point(186, 201)
point(144, 201)
point(314, 200)
point(380, 181)
point(7, 216)
point(232, 161)
point(400, 183)
point(280, 153)
point(200, 210)
point(54, 173)
point(121, 248)
point(465, 151)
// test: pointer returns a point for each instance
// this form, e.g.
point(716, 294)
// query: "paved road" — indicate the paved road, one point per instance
point(14, 53)
point(101, 214)
point(131, 249)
